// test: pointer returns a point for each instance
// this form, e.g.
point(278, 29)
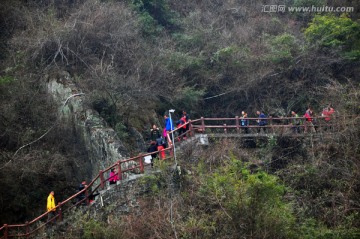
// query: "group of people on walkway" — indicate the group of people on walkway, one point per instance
point(158, 138)
point(307, 121)
point(261, 121)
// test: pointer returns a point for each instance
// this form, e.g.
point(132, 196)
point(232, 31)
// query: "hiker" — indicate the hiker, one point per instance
point(169, 126)
point(92, 197)
point(327, 114)
point(262, 122)
point(160, 144)
point(152, 148)
point(81, 196)
point(295, 122)
point(244, 122)
point(51, 207)
point(114, 177)
point(309, 126)
point(180, 124)
point(154, 133)
point(187, 119)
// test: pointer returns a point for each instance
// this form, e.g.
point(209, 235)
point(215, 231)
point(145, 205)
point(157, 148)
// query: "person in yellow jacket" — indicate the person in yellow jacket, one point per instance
point(51, 205)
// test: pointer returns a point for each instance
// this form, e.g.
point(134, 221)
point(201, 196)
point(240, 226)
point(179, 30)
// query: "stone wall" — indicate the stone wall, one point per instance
point(118, 199)
point(103, 146)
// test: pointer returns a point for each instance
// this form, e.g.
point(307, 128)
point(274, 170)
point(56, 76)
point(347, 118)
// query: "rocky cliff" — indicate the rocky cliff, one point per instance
point(103, 146)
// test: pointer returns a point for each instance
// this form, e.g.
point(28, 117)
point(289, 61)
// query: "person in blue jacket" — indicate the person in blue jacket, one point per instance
point(262, 122)
point(168, 125)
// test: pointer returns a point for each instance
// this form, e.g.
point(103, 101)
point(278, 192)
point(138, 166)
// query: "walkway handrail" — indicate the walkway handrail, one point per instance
point(197, 124)
point(273, 123)
point(24, 230)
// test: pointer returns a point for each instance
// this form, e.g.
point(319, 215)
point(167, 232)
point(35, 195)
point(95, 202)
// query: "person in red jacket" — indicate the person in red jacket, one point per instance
point(187, 119)
point(160, 144)
point(309, 126)
point(113, 176)
point(327, 114)
point(182, 127)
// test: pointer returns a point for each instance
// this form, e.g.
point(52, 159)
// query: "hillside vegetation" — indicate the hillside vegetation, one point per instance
point(135, 58)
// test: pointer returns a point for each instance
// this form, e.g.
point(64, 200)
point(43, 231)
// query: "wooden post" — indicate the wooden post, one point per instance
point(237, 124)
point(305, 125)
point(202, 125)
point(87, 195)
point(141, 164)
point(119, 170)
point(6, 232)
point(191, 129)
point(102, 180)
point(172, 151)
point(60, 211)
point(27, 229)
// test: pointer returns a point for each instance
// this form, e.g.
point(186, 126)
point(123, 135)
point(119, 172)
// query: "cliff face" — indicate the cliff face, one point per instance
point(102, 144)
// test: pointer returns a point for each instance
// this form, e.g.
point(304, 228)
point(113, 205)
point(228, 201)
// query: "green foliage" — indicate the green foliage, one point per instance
point(272, 141)
point(94, 229)
point(225, 54)
point(187, 42)
point(154, 15)
point(229, 58)
point(334, 32)
point(313, 230)
point(151, 182)
point(6, 79)
point(189, 97)
point(178, 61)
point(107, 110)
point(255, 200)
point(149, 26)
point(283, 48)
point(121, 130)
point(204, 226)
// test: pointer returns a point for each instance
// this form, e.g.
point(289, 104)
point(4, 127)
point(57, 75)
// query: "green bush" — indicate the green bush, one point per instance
point(154, 15)
point(338, 33)
point(178, 61)
point(283, 48)
point(313, 230)
point(189, 97)
point(148, 25)
point(229, 58)
point(94, 229)
point(121, 130)
point(252, 201)
point(188, 42)
point(6, 79)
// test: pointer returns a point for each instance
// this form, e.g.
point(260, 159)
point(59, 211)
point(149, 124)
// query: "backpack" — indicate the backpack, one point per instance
point(160, 141)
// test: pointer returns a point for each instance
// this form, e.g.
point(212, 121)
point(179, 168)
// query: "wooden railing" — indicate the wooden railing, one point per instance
point(202, 125)
point(30, 228)
point(274, 125)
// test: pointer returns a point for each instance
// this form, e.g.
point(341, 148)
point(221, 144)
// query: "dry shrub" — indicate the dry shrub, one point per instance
point(154, 221)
